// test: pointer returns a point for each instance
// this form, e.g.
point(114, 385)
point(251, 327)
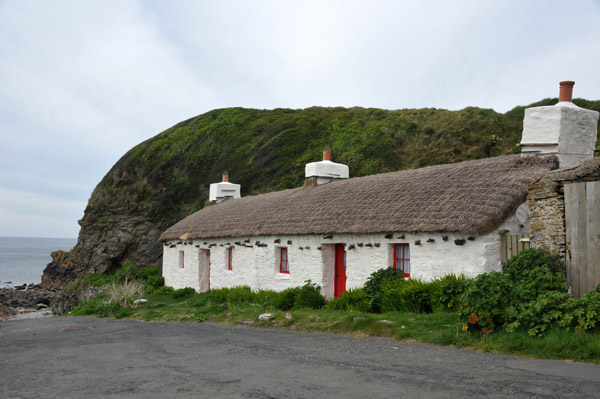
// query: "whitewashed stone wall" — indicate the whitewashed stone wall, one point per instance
point(255, 260)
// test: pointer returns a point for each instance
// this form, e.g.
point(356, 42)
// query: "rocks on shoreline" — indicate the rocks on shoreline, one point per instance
point(27, 299)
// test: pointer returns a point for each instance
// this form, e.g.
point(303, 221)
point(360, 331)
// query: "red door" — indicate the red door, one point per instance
point(339, 285)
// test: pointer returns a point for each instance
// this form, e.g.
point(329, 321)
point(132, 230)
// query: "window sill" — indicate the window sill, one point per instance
point(283, 276)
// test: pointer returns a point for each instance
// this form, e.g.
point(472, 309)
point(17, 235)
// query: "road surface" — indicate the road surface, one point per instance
point(84, 357)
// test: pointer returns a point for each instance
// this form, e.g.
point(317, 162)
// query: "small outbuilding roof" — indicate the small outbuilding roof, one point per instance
point(473, 197)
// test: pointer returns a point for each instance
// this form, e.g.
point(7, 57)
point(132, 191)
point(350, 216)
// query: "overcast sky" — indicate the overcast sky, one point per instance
point(81, 82)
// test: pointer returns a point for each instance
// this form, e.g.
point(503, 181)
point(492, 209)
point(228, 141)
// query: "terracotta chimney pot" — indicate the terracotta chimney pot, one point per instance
point(566, 91)
point(225, 177)
point(326, 154)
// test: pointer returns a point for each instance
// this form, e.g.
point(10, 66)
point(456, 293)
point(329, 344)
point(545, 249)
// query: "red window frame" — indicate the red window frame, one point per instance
point(284, 263)
point(229, 256)
point(402, 258)
point(181, 259)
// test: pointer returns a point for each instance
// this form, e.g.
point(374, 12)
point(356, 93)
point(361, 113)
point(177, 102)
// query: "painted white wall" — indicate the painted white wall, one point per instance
point(177, 277)
point(311, 257)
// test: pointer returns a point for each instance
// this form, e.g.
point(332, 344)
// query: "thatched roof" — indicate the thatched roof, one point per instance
point(472, 197)
point(586, 169)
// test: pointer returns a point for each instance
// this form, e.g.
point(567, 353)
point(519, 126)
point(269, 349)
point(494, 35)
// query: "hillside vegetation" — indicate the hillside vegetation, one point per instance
point(167, 177)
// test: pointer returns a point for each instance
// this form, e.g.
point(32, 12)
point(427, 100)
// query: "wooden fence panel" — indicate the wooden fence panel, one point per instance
point(512, 244)
point(592, 191)
point(582, 219)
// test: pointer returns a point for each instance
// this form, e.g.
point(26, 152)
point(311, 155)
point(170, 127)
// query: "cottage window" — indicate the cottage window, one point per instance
point(181, 260)
point(402, 258)
point(284, 265)
point(229, 258)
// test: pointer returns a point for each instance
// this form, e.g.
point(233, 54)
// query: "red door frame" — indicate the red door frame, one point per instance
point(339, 283)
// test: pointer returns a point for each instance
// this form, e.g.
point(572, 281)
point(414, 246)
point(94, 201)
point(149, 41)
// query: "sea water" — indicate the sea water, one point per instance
point(23, 259)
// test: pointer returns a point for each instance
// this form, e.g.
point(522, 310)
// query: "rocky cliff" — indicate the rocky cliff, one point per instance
point(166, 178)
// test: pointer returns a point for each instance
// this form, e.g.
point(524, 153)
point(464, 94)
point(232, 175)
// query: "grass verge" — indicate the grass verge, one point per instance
point(435, 328)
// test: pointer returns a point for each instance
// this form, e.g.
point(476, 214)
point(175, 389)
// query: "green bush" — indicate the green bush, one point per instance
point(411, 295)
point(536, 317)
point(354, 300)
point(582, 314)
point(122, 312)
point(485, 302)
point(309, 296)
point(219, 295)
point(530, 295)
point(108, 309)
point(183, 293)
point(154, 282)
point(164, 290)
point(240, 294)
point(128, 271)
point(148, 272)
point(264, 297)
point(451, 288)
point(92, 306)
point(284, 300)
point(533, 272)
point(374, 284)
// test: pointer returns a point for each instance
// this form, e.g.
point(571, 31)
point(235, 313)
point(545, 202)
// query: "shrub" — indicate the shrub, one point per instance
point(530, 294)
point(128, 271)
point(485, 302)
point(354, 299)
point(148, 272)
point(122, 312)
point(240, 294)
point(90, 307)
point(285, 299)
point(374, 284)
point(536, 317)
point(264, 297)
point(533, 272)
point(582, 314)
point(451, 287)
point(219, 295)
point(411, 295)
point(108, 309)
point(309, 296)
point(125, 293)
point(154, 282)
point(183, 293)
point(164, 290)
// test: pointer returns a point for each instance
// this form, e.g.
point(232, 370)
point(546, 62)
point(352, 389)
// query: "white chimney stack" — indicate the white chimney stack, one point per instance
point(224, 190)
point(563, 129)
point(326, 171)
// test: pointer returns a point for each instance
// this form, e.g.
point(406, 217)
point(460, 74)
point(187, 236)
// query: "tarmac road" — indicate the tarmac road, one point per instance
point(55, 358)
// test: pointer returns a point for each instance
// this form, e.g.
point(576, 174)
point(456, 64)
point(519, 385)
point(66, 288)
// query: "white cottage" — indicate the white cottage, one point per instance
point(336, 231)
